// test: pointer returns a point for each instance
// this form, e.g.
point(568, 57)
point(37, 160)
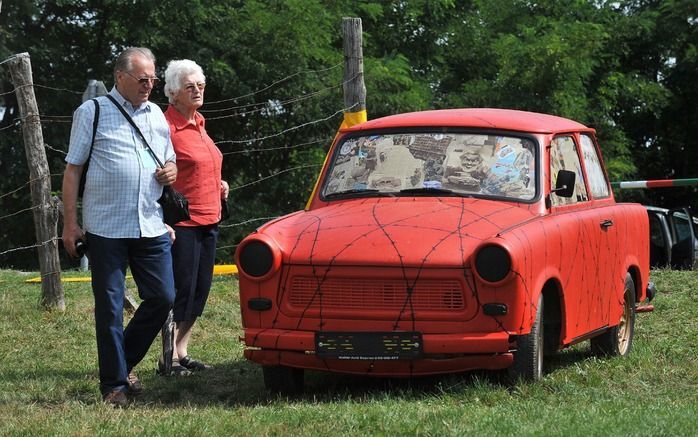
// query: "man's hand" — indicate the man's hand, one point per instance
point(71, 234)
point(167, 174)
point(225, 189)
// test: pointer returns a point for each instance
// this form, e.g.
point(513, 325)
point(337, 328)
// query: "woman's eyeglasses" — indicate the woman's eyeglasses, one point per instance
point(191, 87)
point(145, 79)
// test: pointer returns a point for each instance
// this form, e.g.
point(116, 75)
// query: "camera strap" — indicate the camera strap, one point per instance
point(138, 131)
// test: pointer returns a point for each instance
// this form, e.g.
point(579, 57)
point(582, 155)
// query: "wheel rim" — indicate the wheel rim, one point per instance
point(624, 328)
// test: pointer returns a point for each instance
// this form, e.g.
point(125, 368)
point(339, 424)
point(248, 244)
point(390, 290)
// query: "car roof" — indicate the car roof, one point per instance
point(500, 119)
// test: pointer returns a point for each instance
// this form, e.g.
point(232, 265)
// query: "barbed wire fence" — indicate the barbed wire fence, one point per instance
point(241, 110)
point(47, 208)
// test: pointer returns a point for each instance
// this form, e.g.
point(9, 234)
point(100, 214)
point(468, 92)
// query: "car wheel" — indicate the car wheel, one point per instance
point(618, 340)
point(528, 358)
point(283, 380)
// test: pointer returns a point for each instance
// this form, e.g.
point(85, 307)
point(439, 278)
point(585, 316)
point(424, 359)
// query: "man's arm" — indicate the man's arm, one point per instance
point(71, 229)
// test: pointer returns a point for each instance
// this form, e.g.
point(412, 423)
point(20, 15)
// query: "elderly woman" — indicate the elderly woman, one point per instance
point(199, 179)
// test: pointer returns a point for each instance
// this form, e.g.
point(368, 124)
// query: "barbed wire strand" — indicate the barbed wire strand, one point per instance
point(273, 84)
point(29, 182)
point(266, 103)
point(232, 246)
point(10, 126)
point(287, 130)
point(264, 106)
point(233, 225)
point(277, 82)
point(58, 89)
point(20, 211)
point(56, 150)
point(295, 146)
point(239, 187)
point(30, 247)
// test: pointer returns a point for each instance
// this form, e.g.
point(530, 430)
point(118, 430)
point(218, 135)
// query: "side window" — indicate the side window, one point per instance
point(563, 156)
point(597, 179)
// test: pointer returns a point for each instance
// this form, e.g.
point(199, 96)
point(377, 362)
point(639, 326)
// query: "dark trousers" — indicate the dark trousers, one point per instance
point(150, 260)
point(193, 257)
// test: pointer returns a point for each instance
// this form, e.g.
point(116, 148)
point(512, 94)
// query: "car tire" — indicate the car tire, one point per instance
point(618, 340)
point(283, 380)
point(528, 357)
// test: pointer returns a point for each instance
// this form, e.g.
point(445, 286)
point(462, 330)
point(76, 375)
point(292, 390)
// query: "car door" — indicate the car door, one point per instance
point(581, 261)
point(660, 238)
point(683, 250)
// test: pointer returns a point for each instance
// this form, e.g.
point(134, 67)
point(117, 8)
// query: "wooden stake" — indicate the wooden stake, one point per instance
point(45, 208)
point(354, 88)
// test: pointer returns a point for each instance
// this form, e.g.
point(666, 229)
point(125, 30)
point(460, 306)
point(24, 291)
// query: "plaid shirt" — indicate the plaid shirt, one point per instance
point(121, 192)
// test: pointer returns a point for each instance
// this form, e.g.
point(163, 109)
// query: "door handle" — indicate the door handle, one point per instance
point(607, 223)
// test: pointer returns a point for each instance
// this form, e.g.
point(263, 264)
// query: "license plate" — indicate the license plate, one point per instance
point(368, 345)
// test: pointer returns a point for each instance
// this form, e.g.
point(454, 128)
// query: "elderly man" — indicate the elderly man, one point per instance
point(123, 222)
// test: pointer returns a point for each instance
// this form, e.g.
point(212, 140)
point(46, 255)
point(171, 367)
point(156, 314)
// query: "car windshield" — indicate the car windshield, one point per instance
point(438, 164)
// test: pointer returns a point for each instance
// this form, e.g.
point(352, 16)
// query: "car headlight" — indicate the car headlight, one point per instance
point(492, 263)
point(257, 258)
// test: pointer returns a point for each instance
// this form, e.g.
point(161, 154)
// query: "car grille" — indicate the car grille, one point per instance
point(375, 294)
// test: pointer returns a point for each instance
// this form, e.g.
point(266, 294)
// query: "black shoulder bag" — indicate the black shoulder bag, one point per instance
point(86, 165)
point(175, 207)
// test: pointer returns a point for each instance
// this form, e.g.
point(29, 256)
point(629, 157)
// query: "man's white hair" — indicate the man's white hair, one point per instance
point(178, 69)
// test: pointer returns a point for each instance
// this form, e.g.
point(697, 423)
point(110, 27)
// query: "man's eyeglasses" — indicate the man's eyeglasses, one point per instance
point(145, 79)
point(191, 87)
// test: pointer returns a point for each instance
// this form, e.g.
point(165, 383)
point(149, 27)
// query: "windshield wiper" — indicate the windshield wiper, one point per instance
point(352, 192)
point(428, 191)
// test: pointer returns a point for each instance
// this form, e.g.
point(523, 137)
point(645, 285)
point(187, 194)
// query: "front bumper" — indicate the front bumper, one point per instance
point(443, 353)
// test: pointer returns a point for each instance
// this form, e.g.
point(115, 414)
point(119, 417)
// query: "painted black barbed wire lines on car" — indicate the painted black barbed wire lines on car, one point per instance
point(532, 305)
point(321, 273)
point(448, 234)
point(411, 285)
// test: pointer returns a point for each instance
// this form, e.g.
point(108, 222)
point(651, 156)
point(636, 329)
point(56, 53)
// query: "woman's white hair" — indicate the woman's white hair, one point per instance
point(176, 70)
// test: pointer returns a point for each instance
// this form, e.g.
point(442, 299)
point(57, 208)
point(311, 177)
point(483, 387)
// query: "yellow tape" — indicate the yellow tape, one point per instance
point(350, 119)
point(353, 118)
point(218, 270)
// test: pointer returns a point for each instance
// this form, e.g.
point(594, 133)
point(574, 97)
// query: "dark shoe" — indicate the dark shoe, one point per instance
point(134, 384)
point(176, 369)
point(194, 365)
point(115, 398)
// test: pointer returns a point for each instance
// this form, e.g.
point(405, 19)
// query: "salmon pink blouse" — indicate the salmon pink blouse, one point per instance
point(198, 168)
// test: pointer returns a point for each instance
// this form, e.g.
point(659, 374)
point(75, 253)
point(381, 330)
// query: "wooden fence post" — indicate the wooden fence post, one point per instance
point(354, 88)
point(45, 208)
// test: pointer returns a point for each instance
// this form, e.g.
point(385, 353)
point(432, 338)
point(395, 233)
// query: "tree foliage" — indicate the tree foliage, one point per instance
point(274, 73)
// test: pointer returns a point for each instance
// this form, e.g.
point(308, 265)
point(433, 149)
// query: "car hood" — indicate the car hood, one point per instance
point(404, 231)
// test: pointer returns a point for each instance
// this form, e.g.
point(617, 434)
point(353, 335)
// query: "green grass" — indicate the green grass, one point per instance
point(48, 382)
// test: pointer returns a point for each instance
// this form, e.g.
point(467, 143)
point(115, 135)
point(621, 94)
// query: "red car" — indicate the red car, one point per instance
point(446, 241)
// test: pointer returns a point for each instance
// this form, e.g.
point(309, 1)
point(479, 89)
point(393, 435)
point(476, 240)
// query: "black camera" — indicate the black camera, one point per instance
point(81, 248)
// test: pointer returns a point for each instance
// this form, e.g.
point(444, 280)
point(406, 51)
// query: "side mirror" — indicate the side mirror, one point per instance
point(564, 187)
